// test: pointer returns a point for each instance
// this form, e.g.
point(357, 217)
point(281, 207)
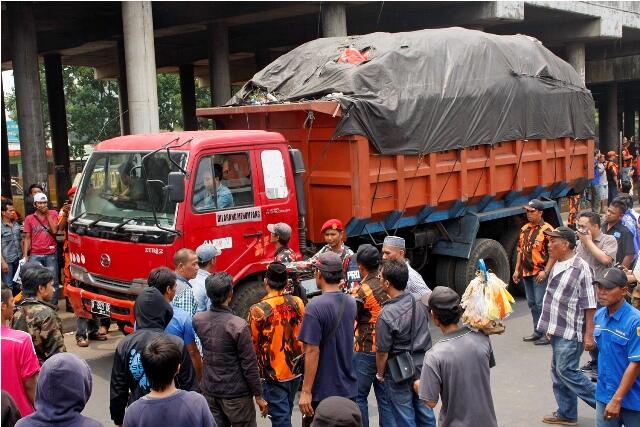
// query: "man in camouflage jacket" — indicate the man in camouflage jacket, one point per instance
point(36, 316)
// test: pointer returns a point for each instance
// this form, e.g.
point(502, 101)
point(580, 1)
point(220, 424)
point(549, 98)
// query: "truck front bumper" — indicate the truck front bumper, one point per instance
point(81, 300)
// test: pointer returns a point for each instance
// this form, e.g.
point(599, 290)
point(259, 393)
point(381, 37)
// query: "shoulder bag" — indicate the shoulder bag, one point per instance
point(298, 362)
point(401, 365)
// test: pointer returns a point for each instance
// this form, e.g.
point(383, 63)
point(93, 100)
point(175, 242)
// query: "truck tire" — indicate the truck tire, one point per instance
point(494, 257)
point(245, 295)
point(446, 271)
point(509, 241)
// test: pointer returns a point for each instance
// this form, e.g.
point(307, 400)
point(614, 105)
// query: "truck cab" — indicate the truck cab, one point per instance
point(142, 197)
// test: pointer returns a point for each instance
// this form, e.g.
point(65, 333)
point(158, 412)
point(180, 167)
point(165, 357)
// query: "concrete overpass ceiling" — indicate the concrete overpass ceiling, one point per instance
point(87, 33)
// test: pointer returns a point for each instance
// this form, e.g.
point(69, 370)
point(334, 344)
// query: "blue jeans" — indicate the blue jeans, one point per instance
point(535, 294)
point(407, 408)
point(365, 364)
point(50, 262)
point(7, 278)
point(280, 396)
point(568, 382)
point(627, 418)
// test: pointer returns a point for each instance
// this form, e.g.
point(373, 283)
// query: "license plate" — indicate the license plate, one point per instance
point(100, 307)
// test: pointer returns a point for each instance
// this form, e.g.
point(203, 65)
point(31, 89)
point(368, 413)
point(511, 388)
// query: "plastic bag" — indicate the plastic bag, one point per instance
point(486, 302)
point(16, 277)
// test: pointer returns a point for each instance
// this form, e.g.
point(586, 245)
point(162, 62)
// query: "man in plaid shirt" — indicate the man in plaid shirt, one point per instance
point(567, 318)
point(186, 267)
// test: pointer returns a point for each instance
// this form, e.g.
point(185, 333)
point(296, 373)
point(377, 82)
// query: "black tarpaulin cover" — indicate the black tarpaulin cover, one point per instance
point(435, 89)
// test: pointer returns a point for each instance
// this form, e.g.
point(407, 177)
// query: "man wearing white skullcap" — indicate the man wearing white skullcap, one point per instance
point(393, 247)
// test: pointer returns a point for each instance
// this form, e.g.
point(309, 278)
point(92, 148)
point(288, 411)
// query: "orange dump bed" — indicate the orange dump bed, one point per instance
point(347, 179)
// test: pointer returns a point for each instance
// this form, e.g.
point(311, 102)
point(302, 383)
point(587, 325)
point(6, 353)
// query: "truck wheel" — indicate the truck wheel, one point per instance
point(494, 257)
point(446, 271)
point(245, 295)
point(509, 242)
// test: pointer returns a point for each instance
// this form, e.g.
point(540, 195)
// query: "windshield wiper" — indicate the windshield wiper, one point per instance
point(123, 223)
point(94, 222)
point(77, 218)
point(133, 218)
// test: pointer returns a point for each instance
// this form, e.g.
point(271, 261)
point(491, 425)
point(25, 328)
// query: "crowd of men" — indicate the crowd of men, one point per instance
point(192, 361)
point(577, 281)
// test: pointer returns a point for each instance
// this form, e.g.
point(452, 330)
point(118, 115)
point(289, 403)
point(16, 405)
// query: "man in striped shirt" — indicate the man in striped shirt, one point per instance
point(567, 318)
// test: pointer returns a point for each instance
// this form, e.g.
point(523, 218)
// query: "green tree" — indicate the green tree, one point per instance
point(170, 103)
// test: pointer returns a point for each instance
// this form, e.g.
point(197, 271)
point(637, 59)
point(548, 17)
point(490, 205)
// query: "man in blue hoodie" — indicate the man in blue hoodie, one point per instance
point(128, 380)
point(64, 388)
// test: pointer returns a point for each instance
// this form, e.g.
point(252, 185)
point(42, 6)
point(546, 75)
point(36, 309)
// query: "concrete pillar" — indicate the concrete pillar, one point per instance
point(610, 121)
point(58, 122)
point(140, 62)
point(220, 81)
point(188, 97)
point(123, 96)
point(575, 57)
point(334, 19)
point(28, 101)
point(629, 114)
point(6, 170)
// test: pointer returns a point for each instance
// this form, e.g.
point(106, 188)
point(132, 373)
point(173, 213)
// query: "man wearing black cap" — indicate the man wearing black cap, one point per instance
point(327, 332)
point(369, 297)
point(532, 264)
point(457, 367)
point(275, 324)
point(567, 317)
point(337, 411)
point(617, 334)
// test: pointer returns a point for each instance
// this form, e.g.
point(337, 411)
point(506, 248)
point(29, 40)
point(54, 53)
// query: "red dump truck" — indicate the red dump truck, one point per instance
point(456, 195)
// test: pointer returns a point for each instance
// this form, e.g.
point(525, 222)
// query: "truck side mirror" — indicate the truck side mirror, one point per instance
point(296, 161)
point(175, 186)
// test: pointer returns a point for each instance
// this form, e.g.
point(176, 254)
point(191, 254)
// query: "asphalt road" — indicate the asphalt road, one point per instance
point(521, 382)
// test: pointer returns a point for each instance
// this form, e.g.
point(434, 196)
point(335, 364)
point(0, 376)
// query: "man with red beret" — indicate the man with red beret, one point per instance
point(332, 231)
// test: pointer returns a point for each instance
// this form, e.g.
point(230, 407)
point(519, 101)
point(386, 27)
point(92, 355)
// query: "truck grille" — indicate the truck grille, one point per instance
point(111, 282)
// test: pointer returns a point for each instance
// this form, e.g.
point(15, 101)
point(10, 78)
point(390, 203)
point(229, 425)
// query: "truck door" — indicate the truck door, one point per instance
point(224, 209)
point(277, 195)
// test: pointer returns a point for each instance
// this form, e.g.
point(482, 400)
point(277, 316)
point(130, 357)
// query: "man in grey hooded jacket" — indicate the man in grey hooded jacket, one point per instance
point(64, 388)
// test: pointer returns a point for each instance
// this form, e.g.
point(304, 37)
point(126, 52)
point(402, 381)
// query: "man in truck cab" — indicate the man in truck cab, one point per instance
point(212, 194)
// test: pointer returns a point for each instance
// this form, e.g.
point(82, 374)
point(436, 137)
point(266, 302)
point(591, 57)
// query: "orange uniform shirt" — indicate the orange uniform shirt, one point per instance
point(275, 323)
point(369, 297)
point(534, 248)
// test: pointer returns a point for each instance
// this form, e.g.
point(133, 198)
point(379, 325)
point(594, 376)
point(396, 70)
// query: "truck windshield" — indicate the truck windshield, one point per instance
point(114, 190)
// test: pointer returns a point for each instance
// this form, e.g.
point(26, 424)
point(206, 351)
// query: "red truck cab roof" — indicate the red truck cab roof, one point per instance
point(210, 138)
